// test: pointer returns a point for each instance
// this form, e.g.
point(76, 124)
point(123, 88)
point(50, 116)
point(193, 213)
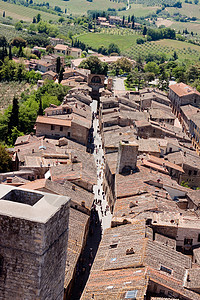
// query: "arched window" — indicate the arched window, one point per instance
point(96, 79)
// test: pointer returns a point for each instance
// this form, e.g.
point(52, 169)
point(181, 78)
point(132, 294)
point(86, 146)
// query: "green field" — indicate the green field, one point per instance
point(191, 26)
point(183, 49)
point(189, 10)
point(19, 12)
point(95, 40)
point(80, 7)
point(138, 10)
point(74, 7)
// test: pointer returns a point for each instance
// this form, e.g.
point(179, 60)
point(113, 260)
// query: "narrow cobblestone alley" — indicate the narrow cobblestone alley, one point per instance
point(102, 207)
point(100, 216)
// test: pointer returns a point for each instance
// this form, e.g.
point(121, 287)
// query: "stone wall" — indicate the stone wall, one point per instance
point(45, 129)
point(34, 256)
point(76, 132)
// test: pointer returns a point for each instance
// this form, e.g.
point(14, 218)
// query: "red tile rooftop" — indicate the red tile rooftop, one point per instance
point(53, 121)
point(182, 89)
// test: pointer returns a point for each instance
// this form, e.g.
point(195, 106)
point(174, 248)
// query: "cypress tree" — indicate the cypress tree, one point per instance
point(144, 30)
point(14, 116)
point(40, 110)
point(123, 20)
point(10, 52)
point(58, 65)
point(60, 78)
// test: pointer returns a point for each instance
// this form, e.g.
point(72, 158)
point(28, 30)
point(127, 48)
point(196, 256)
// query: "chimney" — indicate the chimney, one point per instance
point(9, 179)
point(33, 151)
point(73, 187)
point(127, 157)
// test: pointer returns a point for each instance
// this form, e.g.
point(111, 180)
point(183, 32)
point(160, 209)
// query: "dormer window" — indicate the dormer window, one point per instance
point(113, 245)
point(166, 270)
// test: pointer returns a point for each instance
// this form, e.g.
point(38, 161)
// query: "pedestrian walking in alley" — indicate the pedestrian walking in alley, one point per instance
point(105, 212)
point(102, 211)
point(98, 191)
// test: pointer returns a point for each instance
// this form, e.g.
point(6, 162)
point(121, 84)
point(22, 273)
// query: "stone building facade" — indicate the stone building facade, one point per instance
point(34, 233)
point(182, 94)
point(75, 128)
point(127, 156)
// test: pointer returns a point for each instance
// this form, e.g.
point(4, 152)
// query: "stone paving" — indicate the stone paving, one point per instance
point(105, 215)
point(102, 221)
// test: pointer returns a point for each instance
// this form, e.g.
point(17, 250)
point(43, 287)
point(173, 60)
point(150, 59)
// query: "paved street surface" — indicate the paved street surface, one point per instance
point(100, 218)
point(100, 198)
point(118, 84)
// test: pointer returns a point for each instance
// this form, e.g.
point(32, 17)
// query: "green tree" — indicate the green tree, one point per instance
point(20, 72)
point(38, 18)
point(151, 67)
point(163, 78)
point(50, 48)
point(185, 184)
point(32, 28)
point(192, 73)
point(20, 52)
point(144, 30)
point(18, 26)
point(3, 47)
point(15, 133)
point(4, 14)
point(139, 63)
point(122, 65)
point(175, 55)
point(61, 19)
point(149, 76)
point(94, 64)
point(18, 41)
point(135, 78)
point(5, 160)
point(113, 48)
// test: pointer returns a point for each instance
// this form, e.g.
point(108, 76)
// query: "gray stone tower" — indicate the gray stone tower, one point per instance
point(127, 157)
point(33, 243)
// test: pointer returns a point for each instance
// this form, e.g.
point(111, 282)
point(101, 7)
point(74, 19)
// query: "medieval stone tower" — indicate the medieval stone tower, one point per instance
point(127, 157)
point(33, 243)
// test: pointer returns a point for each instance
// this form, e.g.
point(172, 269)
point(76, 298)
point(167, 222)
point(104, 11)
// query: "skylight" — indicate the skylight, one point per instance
point(131, 294)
